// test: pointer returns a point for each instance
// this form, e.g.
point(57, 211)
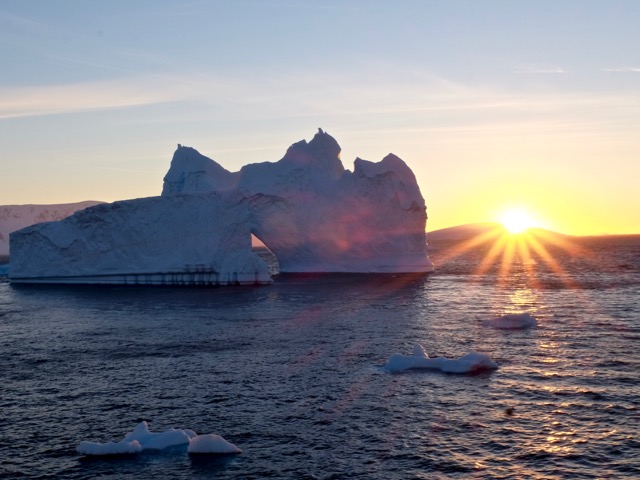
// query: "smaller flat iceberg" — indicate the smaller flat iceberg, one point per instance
point(511, 321)
point(141, 438)
point(471, 362)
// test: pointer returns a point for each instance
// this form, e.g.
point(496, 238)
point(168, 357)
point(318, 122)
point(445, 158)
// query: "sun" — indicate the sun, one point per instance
point(517, 220)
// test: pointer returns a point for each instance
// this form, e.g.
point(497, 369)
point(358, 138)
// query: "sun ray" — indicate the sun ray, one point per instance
point(524, 265)
point(538, 247)
point(468, 245)
point(493, 253)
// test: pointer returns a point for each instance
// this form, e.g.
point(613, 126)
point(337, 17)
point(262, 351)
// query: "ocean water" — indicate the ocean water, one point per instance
point(292, 373)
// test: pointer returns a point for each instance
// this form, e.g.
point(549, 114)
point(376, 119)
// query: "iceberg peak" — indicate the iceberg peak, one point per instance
point(321, 156)
point(191, 171)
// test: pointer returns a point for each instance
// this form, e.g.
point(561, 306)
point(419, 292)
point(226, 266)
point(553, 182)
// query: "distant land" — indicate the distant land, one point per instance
point(462, 232)
point(479, 236)
point(472, 230)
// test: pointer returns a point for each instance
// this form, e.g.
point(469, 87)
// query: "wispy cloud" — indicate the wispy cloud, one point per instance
point(378, 99)
point(623, 70)
point(540, 69)
point(92, 96)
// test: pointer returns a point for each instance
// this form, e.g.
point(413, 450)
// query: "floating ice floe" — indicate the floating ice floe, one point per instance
point(511, 321)
point(211, 443)
point(142, 439)
point(471, 362)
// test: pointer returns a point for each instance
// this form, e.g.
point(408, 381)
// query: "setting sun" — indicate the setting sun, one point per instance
point(517, 220)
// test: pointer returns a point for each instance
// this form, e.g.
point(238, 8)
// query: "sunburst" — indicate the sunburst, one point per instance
point(525, 247)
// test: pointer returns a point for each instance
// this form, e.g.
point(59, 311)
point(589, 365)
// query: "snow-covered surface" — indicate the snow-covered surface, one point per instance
point(315, 215)
point(511, 321)
point(16, 217)
point(141, 438)
point(471, 362)
point(184, 239)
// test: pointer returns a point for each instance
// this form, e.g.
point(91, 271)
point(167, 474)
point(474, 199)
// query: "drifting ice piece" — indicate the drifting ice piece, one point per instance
point(142, 439)
point(211, 443)
point(511, 321)
point(471, 362)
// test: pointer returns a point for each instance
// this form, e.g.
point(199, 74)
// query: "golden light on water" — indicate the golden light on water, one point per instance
point(530, 250)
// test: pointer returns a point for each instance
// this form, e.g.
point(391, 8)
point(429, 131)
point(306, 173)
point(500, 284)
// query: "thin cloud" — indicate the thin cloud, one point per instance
point(538, 69)
point(90, 96)
point(623, 70)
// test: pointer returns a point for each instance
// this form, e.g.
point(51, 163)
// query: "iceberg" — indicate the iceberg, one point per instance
point(511, 321)
point(141, 438)
point(471, 362)
point(309, 211)
point(316, 216)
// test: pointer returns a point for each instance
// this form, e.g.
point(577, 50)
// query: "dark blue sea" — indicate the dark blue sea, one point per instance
point(292, 373)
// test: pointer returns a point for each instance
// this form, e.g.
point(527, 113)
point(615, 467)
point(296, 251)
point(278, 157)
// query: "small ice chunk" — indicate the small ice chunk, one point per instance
point(112, 448)
point(511, 321)
point(141, 438)
point(471, 362)
point(211, 443)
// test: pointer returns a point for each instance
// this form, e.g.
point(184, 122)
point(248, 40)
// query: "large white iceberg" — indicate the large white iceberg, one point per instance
point(141, 438)
point(471, 362)
point(314, 215)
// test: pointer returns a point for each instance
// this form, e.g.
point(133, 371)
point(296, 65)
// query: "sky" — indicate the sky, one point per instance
point(493, 104)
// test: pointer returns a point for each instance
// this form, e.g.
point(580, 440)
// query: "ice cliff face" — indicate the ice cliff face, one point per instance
point(314, 215)
point(187, 239)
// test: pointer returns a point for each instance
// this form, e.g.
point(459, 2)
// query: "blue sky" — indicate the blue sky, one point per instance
point(490, 102)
